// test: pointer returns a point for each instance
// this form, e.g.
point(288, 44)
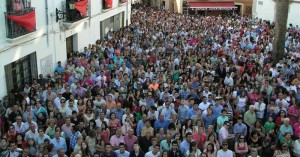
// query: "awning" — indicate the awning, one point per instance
point(212, 5)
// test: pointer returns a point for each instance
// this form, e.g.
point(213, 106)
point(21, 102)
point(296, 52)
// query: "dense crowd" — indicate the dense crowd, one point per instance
point(168, 85)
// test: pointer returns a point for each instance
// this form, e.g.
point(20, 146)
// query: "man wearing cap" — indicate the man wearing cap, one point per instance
point(225, 152)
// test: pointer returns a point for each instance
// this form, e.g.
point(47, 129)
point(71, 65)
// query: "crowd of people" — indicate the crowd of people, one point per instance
point(169, 85)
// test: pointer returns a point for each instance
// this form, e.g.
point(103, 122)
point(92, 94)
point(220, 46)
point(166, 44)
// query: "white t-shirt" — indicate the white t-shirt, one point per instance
point(150, 154)
point(222, 153)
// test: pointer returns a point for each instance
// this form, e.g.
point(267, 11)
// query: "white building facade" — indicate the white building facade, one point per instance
point(265, 9)
point(25, 54)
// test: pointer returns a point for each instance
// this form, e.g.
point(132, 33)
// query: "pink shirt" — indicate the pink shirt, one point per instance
point(67, 129)
point(223, 134)
point(296, 129)
point(115, 141)
point(129, 141)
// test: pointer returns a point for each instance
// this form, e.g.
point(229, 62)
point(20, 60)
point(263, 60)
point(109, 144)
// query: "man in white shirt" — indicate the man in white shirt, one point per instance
point(204, 104)
point(154, 153)
point(101, 119)
point(260, 107)
point(29, 122)
point(32, 133)
point(19, 125)
point(228, 81)
point(225, 152)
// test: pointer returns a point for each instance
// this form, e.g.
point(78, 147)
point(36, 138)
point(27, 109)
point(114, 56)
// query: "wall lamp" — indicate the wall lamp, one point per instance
point(61, 14)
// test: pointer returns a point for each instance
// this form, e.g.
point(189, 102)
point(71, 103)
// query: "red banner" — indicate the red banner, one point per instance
point(27, 20)
point(81, 6)
point(124, 1)
point(109, 3)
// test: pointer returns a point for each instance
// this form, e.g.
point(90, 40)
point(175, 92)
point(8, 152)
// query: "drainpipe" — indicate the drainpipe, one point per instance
point(47, 21)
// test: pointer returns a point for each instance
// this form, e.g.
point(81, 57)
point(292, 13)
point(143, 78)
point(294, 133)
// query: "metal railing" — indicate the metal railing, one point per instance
point(14, 30)
point(73, 16)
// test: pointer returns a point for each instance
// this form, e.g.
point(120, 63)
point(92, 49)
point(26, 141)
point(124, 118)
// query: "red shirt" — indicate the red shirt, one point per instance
point(296, 127)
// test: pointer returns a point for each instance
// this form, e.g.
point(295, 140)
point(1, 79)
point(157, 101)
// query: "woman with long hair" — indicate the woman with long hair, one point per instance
point(282, 150)
point(187, 127)
point(210, 150)
point(84, 149)
point(114, 123)
point(91, 142)
point(193, 150)
point(212, 140)
point(241, 147)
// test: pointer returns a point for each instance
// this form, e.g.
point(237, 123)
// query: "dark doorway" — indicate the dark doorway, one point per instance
point(69, 44)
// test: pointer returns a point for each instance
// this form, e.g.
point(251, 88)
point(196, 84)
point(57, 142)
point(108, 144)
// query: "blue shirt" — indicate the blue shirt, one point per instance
point(59, 69)
point(184, 147)
point(191, 112)
point(119, 154)
point(208, 120)
point(182, 112)
point(61, 143)
point(240, 129)
point(161, 124)
point(217, 110)
point(119, 113)
point(140, 126)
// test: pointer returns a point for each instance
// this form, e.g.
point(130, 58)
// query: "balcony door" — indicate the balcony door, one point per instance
point(69, 44)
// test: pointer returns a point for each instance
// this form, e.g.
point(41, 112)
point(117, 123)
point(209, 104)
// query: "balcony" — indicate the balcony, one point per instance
point(106, 5)
point(122, 2)
point(20, 23)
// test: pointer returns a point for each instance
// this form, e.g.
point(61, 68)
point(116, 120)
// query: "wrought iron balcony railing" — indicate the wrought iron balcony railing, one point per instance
point(13, 29)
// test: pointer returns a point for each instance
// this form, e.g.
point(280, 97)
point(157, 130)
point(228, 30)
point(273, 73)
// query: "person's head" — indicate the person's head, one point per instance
point(226, 124)
point(156, 149)
point(174, 145)
point(241, 138)
point(57, 134)
point(84, 145)
point(112, 116)
point(211, 138)
point(193, 146)
point(136, 147)
point(31, 142)
point(41, 131)
point(286, 121)
point(61, 152)
point(251, 108)
point(13, 145)
point(161, 117)
point(122, 147)
point(165, 153)
point(188, 137)
point(210, 147)
point(118, 132)
point(225, 145)
point(224, 112)
point(270, 119)
point(253, 152)
point(108, 147)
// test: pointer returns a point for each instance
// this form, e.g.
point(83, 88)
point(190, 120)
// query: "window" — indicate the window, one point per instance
point(21, 71)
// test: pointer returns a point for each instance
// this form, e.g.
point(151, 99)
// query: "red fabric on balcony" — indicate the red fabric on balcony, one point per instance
point(27, 20)
point(109, 3)
point(81, 6)
point(124, 1)
point(212, 5)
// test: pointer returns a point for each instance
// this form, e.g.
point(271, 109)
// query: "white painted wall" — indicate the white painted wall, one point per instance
point(267, 11)
point(50, 39)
